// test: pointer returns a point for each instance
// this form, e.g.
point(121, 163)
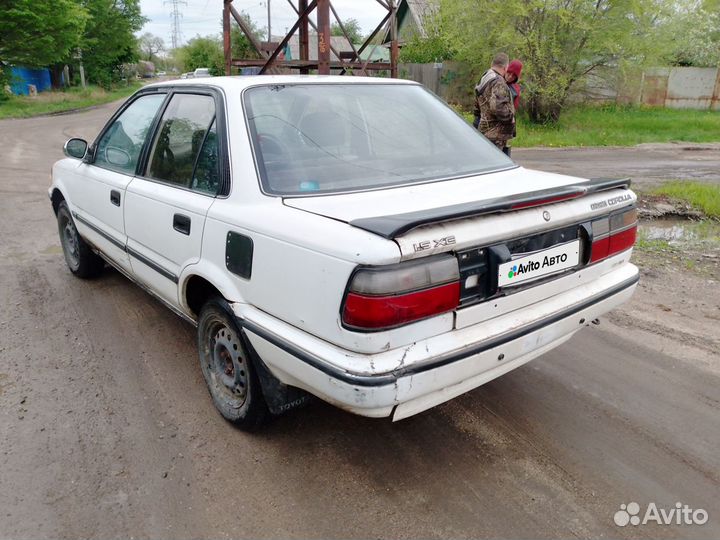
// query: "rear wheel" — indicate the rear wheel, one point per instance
point(227, 367)
point(79, 256)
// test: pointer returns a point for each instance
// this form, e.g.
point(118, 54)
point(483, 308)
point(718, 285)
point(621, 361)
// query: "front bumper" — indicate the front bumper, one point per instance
point(405, 381)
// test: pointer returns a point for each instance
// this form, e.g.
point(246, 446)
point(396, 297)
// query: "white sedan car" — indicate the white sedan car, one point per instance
point(343, 237)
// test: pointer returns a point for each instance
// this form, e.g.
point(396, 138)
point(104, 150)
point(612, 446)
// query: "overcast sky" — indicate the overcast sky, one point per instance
point(203, 17)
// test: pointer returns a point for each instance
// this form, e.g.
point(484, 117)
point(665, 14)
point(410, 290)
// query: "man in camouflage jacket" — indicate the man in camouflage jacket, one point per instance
point(494, 104)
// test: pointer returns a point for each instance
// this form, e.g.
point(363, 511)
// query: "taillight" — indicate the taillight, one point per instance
point(613, 234)
point(385, 297)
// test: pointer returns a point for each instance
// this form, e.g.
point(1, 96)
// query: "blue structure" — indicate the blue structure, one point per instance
point(21, 77)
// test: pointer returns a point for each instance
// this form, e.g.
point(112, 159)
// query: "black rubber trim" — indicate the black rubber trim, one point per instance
point(147, 262)
point(102, 233)
point(390, 378)
point(397, 224)
point(159, 269)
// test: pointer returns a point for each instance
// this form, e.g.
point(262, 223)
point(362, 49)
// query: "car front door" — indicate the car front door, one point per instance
point(165, 207)
point(97, 189)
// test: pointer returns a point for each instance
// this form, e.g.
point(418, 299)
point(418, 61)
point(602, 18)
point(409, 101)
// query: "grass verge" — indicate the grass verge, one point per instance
point(619, 126)
point(655, 245)
point(704, 197)
point(56, 101)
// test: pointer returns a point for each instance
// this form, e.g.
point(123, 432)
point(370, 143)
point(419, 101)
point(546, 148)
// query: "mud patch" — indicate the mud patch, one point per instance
point(661, 206)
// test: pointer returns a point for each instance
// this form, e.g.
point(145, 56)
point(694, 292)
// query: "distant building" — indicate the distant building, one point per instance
point(412, 18)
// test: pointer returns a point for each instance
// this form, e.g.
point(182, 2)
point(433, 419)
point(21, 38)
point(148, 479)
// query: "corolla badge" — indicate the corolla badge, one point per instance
point(546, 215)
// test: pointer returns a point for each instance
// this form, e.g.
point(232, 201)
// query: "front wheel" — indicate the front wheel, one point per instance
point(79, 256)
point(227, 367)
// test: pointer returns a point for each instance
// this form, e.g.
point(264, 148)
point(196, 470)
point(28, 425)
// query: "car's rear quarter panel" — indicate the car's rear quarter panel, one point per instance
point(301, 266)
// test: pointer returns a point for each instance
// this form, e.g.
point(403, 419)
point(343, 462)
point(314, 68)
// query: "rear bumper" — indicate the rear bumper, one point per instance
point(434, 370)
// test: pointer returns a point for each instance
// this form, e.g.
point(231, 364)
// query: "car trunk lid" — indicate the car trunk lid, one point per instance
point(448, 216)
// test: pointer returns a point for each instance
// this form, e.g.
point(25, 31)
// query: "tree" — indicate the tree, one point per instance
point(560, 41)
point(240, 44)
point(109, 39)
point(352, 27)
point(425, 50)
point(36, 34)
point(150, 45)
point(692, 36)
point(202, 52)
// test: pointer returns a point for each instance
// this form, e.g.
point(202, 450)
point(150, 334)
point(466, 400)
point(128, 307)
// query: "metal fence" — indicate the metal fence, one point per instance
point(21, 78)
point(679, 87)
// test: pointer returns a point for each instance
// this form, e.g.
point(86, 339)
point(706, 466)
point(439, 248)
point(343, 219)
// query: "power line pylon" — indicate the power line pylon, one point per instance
point(176, 15)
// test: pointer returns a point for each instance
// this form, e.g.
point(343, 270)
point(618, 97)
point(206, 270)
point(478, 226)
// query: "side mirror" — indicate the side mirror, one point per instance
point(75, 148)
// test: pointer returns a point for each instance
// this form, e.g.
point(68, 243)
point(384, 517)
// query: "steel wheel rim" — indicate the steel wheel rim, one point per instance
point(226, 363)
point(68, 236)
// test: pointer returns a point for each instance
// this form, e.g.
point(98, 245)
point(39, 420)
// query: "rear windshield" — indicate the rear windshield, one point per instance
point(329, 138)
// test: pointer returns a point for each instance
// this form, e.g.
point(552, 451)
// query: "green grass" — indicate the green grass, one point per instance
point(704, 197)
point(55, 101)
point(643, 243)
point(619, 126)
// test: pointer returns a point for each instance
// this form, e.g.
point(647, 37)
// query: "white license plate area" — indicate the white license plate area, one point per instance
point(541, 263)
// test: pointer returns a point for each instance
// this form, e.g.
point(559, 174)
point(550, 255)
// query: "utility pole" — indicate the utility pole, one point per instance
point(269, 36)
point(176, 15)
point(78, 56)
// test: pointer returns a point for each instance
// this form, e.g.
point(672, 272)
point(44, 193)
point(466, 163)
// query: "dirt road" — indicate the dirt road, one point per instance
point(107, 431)
point(647, 164)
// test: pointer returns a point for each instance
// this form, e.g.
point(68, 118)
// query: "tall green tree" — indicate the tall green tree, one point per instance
point(691, 35)
point(240, 44)
point(109, 39)
point(202, 52)
point(352, 27)
point(37, 34)
point(561, 42)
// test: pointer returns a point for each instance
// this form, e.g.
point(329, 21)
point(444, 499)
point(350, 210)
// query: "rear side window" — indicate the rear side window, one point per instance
point(181, 135)
point(119, 147)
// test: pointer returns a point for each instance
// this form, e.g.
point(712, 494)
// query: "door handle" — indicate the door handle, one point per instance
point(181, 224)
point(115, 197)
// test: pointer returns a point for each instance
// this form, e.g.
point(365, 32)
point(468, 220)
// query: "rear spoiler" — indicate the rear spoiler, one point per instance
point(395, 225)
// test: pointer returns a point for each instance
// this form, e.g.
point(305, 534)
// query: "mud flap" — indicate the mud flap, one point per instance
point(280, 397)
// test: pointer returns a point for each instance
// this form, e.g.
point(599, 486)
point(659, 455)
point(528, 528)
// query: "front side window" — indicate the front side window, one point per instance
point(119, 147)
point(330, 138)
point(180, 136)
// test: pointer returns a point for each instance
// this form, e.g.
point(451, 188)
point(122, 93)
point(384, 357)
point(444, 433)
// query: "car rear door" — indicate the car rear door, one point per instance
point(166, 205)
point(97, 189)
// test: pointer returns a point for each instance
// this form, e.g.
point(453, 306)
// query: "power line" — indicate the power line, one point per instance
point(176, 15)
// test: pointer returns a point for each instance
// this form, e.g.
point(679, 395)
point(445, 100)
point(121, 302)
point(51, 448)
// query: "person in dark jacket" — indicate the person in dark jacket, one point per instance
point(499, 65)
point(494, 104)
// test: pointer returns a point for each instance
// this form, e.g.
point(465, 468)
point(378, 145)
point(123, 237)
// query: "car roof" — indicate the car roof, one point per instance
point(240, 82)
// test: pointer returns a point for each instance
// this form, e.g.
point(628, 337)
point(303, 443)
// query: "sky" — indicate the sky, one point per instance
point(203, 17)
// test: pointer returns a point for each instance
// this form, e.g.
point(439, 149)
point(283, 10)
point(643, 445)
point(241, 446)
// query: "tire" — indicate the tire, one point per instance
point(79, 256)
point(227, 367)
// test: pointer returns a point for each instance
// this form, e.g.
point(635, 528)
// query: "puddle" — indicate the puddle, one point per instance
point(680, 231)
